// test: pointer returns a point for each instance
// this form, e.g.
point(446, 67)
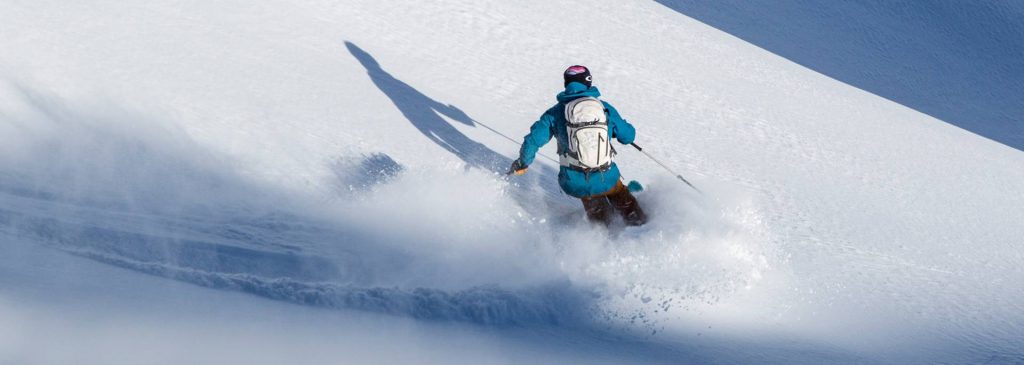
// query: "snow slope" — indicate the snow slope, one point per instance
point(347, 156)
point(960, 61)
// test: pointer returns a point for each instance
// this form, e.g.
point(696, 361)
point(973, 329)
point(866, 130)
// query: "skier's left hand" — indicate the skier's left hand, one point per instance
point(517, 168)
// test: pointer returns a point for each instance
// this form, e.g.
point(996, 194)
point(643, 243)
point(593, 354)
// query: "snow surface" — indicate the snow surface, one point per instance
point(323, 183)
point(960, 61)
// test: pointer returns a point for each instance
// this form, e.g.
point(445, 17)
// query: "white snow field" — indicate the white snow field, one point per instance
point(322, 182)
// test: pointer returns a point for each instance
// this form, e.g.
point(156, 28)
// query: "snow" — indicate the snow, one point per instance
point(321, 182)
point(962, 62)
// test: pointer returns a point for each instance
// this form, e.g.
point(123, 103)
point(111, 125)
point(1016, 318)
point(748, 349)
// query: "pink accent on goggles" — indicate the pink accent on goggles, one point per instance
point(575, 70)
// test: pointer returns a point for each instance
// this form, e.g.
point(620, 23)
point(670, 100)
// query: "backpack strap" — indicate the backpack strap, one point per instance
point(574, 164)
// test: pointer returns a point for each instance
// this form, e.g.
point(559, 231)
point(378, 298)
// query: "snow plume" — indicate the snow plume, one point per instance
point(135, 191)
point(696, 251)
point(695, 254)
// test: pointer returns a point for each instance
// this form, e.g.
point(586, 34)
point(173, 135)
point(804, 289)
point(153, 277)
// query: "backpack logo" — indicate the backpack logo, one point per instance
point(587, 125)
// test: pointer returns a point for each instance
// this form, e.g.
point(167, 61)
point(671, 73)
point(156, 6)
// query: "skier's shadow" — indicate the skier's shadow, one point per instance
point(425, 114)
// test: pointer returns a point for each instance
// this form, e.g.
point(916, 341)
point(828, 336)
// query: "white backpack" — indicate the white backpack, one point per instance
point(589, 148)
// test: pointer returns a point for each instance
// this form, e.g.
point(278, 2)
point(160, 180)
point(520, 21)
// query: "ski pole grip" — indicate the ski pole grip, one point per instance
point(637, 147)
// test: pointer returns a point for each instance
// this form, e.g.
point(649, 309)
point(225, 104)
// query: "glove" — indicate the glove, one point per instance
point(517, 168)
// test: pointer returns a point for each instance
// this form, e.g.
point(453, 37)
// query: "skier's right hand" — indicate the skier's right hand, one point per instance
point(517, 168)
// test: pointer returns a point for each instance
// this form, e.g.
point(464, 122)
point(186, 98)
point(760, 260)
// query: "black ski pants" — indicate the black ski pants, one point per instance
point(618, 198)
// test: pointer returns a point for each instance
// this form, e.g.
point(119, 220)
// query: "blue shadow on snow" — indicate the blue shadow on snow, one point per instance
point(425, 114)
point(959, 61)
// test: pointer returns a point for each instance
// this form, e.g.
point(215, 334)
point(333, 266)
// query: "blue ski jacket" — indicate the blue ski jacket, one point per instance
point(552, 124)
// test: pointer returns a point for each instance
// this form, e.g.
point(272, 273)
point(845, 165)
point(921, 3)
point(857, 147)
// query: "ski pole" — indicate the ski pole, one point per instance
point(665, 167)
point(512, 140)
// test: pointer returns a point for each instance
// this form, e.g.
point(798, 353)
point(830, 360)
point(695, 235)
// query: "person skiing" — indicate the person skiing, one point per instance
point(583, 126)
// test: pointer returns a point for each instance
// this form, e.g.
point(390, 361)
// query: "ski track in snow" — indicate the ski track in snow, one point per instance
point(268, 270)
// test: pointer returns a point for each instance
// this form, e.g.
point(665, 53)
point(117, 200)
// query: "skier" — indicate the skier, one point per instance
point(583, 126)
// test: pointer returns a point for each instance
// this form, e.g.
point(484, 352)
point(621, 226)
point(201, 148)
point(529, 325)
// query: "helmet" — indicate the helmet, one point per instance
point(578, 74)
